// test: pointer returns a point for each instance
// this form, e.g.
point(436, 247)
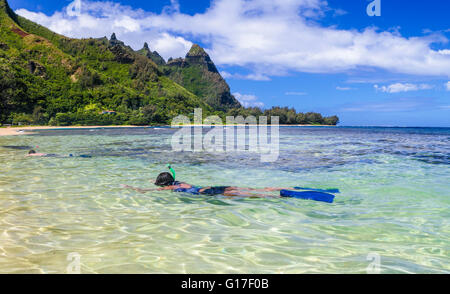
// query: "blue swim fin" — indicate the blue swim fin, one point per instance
point(318, 190)
point(308, 195)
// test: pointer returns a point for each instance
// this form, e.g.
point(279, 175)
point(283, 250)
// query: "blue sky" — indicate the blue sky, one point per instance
point(328, 57)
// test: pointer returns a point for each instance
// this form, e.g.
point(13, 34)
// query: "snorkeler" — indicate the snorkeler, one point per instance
point(166, 181)
point(34, 153)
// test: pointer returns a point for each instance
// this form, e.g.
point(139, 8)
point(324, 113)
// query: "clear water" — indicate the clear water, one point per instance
point(394, 201)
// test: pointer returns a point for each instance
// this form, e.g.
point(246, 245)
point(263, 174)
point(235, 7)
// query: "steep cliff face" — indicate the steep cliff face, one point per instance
point(197, 73)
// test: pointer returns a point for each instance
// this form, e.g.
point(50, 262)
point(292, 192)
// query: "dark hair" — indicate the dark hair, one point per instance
point(164, 179)
point(31, 152)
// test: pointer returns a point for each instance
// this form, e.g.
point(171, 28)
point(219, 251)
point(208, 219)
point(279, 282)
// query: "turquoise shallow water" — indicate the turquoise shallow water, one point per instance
point(394, 201)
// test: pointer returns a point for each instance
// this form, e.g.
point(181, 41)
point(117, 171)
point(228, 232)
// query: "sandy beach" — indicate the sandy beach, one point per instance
point(14, 131)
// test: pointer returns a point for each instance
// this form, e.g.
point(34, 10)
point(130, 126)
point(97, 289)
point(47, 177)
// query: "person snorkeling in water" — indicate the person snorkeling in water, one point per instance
point(166, 181)
point(34, 153)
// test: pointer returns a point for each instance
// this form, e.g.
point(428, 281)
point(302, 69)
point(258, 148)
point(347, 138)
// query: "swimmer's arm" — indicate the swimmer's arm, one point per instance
point(167, 188)
point(140, 190)
point(173, 187)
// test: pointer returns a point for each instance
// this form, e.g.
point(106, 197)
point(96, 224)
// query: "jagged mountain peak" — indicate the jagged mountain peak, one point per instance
point(154, 56)
point(196, 50)
point(114, 41)
point(198, 74)
point(198, 56)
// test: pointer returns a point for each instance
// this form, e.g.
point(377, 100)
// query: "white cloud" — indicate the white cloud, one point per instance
point(269, 37)
point(83, 19)
point(344, 88)
point(171, 46)
point(253, 77)
point(226, 75)
point(248, 100)
point(295, 93)
point(399, 87)
point(74, 8)
point(394, 105)
point(127, 23)
point(447, 86)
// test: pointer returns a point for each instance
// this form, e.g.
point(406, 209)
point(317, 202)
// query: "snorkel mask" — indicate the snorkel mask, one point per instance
point(172, 171)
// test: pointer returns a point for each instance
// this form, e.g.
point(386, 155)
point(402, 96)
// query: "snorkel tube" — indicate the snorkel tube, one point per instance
point(171, 170)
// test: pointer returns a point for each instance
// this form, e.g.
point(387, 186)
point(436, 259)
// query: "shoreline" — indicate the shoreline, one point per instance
point(19, 130)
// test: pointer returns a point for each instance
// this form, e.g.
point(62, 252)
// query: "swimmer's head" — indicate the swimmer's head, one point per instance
point(164, 179)
point(31, 152)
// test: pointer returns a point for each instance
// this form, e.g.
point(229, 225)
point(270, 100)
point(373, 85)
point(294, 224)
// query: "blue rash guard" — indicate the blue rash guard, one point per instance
point(194, 190)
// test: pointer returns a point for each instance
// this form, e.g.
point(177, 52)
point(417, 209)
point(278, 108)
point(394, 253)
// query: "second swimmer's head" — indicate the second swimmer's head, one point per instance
point(164, 179)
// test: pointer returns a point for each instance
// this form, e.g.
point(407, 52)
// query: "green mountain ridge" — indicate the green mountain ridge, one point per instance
point(47, 78)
